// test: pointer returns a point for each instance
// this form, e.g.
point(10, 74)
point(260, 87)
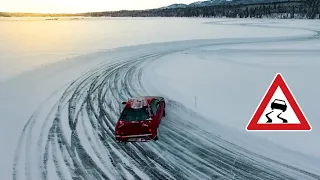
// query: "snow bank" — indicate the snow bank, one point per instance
point(226, 84)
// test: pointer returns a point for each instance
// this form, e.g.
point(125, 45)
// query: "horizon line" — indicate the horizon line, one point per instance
point(73, 12)
point(83, 12)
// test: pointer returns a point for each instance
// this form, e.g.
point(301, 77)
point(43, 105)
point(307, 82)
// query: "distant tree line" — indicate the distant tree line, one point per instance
point(313, 8)
point(283, 9)
point(290, 9)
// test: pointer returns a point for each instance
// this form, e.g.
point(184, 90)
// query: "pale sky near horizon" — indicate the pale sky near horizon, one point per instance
point(75, 6)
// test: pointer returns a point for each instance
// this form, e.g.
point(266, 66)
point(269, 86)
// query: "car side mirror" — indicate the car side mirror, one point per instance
point(124, 103)
point(152, 116)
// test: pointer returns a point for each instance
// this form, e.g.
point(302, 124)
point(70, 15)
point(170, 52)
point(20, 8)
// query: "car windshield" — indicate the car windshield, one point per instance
point(280, 102)
point(135, 114)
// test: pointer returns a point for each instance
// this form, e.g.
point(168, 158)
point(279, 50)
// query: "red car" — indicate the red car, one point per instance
point(140, 119)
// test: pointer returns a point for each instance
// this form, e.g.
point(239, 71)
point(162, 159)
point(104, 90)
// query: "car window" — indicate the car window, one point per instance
point(135, 114)
point(280, 102)
point(154, 105)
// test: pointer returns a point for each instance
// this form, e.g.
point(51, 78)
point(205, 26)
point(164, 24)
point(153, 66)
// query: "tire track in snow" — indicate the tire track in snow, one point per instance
point(184, 151)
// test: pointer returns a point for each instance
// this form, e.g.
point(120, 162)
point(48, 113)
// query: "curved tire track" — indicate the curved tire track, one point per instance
point(88, 149)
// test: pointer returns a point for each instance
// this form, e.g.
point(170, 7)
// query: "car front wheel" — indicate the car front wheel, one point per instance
point(157, 136)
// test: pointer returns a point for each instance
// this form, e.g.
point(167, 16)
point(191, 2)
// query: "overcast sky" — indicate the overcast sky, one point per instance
point(73, 6)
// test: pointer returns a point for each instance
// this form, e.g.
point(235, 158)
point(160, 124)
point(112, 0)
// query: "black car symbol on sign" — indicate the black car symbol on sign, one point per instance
point(279, 104)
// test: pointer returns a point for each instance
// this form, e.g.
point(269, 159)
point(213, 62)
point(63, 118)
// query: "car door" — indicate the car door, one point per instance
point(160, 110)
point(155, 104)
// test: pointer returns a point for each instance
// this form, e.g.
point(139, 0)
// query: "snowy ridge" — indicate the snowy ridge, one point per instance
point(219, 2)
point(173, 6)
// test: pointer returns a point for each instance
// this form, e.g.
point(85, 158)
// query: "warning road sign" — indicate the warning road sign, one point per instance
point(278, 110)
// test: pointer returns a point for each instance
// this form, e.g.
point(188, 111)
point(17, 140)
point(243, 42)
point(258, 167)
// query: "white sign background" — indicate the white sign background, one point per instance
point(289, 114)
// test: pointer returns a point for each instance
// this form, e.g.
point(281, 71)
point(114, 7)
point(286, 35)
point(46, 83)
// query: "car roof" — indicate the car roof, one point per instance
point(138, 102)
point(279, 100)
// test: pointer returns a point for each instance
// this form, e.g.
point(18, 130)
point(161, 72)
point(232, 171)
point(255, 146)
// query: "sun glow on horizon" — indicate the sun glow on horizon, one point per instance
point(79, 6)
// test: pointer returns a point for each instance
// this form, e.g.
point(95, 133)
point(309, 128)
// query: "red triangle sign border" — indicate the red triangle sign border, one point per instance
point(278, 81)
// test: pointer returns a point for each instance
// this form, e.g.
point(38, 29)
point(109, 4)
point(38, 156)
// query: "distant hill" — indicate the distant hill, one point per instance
point(208, 3)
point(219, 2)
point(173, 6)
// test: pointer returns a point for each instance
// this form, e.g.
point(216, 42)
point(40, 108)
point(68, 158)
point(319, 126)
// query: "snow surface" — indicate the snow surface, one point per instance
point(221, 70)
point(43, 42)
point(230, 81)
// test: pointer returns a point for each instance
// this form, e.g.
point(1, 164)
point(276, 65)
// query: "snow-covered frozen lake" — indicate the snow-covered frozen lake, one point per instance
point(62, 76)
point(33, 42)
